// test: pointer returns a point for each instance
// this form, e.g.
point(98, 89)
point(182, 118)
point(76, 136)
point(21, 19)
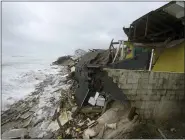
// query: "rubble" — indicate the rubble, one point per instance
point(100, 101)
point(15, 134)
point(89, 133)
point(173, 130)
point(111, 126)
point(101, 112)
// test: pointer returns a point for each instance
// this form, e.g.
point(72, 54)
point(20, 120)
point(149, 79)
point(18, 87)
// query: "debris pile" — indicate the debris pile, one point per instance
point(85, 107)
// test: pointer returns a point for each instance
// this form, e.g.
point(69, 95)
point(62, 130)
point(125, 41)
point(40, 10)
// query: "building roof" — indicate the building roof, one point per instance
point(159, 25)
point(166, 44)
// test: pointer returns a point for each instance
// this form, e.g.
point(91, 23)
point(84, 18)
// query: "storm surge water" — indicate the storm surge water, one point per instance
point(21, 74)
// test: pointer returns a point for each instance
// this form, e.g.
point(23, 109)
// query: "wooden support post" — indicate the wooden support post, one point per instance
point(146, 28)
point(151, 59)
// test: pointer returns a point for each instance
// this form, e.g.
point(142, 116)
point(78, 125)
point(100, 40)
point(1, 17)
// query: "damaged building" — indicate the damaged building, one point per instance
point(146, 71)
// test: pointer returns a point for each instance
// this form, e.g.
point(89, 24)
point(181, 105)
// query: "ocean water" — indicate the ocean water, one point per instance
point(20, 75)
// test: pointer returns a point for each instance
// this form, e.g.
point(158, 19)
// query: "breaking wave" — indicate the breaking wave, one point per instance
point(20, 76)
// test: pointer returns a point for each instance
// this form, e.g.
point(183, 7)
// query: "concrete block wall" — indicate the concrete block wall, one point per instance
point(154, 94)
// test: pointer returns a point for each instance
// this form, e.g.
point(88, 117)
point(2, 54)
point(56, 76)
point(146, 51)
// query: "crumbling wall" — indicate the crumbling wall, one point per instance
point(154, 94)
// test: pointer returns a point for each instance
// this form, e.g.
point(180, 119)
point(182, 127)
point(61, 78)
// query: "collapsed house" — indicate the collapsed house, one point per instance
point(147, 71)
point(158, 92)
point(163, 31)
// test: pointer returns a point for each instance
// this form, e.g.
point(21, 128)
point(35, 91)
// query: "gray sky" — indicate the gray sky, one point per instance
point(60, 28)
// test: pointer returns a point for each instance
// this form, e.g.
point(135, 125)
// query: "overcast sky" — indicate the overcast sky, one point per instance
point(59, 28)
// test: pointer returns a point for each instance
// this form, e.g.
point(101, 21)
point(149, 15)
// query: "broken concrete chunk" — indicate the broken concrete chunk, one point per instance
point(91, 122)
point(35, 132)
point(96, 96)
point(89, 133)
point(63, 118)
point(92, 101)
point(74, 109)
point(36, 121)
point(34, 109)
point(100, 101)
point(69, 115)
point(49, 135)
point(110, 116)
point(73, 69)
point(26, 115)
point(68, 131)
point(15, 133)
point(53, 126)
point(111, 126)
point(18, 117)
point(27, 122)
point(80, 124)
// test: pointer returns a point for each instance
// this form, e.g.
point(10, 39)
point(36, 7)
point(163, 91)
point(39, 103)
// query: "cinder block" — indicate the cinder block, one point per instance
point(150, 92)
point(131, 97)
point(176, 97)
point(155, 98)
point(138, 98)
point(117, 73)
point(144, 86)
point(144, 81)
point(144, 97)
point(179, 92)
point(135, 86)
point(165, 98)
point(154, 86)
point(172, 97)
point(149, 86)
point(142, 91)
point(124, 73)
point(127, 86)
point(130, 73)
point(132, 80)
point(174, 86)
point(125, 91)
point(181, 97)
point(122, 80)
point(148, 114)
point(123, 76)
point(148, 104)
point(161, 92)
point(153, 81)
point(112, 73)
point(145, 74)
point(160, 81)
point(171, 92)
point(156, 74)
point(165, 84)
point(132, 92)
point(153, 92)
point(138, 104)
point(164, 75)
point(161, 74)
point(141, 111)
